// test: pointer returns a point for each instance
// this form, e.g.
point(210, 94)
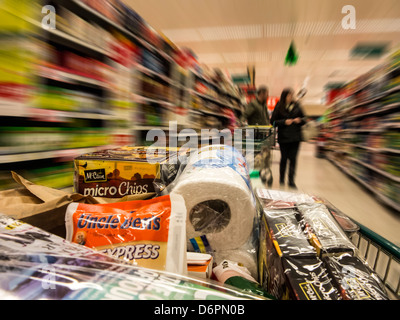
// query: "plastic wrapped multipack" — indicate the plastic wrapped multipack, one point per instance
point(36, 265)
point(221, 206)
point(148, 233)
point(270, 195)
point(309, 279)
point(354, 279)
point(288, 237)
point(326, 234)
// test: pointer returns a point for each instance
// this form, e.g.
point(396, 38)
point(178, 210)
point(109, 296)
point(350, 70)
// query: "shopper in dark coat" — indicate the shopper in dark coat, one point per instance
point(288, 117)
point(256, 112)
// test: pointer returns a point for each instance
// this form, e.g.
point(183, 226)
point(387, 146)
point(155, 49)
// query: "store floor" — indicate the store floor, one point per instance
point(321, 178)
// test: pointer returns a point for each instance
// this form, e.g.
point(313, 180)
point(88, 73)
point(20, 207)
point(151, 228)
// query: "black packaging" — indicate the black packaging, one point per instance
point(354, 279)
point(325, 233)
point(308, 279)
point(286, 231)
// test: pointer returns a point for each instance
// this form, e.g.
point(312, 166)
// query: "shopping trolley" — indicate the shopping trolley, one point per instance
point(260, 140)
point(381, 255)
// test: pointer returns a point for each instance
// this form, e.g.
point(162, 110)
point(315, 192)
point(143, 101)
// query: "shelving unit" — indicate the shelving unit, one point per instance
point(365, 127)
point(106, 71)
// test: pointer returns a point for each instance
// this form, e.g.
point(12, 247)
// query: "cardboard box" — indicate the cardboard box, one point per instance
point(125, 171)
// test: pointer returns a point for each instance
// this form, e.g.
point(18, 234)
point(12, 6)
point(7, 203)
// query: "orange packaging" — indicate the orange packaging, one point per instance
point(147, 233)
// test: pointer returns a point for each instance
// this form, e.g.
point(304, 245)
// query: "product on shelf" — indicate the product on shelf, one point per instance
point(125, 171)
point(37, 265)
point(147, 233)
point(354, 279)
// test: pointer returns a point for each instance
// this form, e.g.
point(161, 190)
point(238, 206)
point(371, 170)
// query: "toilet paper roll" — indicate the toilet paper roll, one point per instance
point(243, 257)
point(218, 197)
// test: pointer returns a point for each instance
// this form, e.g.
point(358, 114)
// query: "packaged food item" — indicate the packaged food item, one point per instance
point(354, 279)
point(271, 275)
point(287, 234)
point(308, 279)
point(37, 265)
point(148, 233)
point(125, 171)
point(199, 264)
point(279, 195)
point(326, 234)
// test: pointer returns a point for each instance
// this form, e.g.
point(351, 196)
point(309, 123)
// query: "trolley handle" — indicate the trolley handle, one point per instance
point(384, 243)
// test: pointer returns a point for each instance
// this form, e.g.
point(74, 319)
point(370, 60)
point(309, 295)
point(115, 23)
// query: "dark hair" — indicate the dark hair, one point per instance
point(262, 89)
point(284, 95)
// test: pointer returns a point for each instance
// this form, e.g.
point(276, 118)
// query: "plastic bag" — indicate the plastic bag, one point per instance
point(148, 233)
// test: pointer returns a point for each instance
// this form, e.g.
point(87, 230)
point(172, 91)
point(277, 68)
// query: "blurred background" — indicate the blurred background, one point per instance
point(84, 75)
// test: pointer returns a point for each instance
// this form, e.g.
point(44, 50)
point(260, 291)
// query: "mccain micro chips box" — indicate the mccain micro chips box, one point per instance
point(125, 171)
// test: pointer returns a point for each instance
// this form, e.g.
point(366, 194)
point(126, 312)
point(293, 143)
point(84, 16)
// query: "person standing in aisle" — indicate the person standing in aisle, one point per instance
point(256, 112)
point(288, 117)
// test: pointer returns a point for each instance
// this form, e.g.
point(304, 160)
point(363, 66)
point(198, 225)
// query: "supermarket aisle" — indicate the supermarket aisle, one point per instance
point(320, 177)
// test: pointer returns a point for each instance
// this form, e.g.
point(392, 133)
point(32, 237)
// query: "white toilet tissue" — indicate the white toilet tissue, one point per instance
point(218, 172)
point(243, 257)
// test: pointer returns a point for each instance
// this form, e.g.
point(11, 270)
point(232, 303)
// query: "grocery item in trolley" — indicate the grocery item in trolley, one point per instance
point(230, 272)
point(308, 279)
point(354, 279)
point(325, 233)
point(288, 237)
point(148, 233)
point(125, 171)
point(218, 195)
point(37, 265)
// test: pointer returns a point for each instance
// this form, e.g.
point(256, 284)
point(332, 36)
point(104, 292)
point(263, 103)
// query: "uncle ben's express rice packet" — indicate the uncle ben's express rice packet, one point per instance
point(147, 233)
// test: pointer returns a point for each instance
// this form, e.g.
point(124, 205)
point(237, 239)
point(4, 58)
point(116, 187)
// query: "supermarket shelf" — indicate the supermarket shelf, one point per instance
point(66, 153)
point(337, 151)
point(66, 39)
point(141, 99)
point(91, 14)
point(69, 77)
point(145, 127)
point(208, 81)
point(378, 97)
point(389, 107)
point(61, 37)
point(212, 99)
point(163, 77)
point(379, 195)
point(381, 172)
point(49, 115)
point(377, 150)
